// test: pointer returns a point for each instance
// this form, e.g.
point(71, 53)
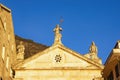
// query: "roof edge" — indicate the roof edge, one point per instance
point(60, 46)
point(6, 8)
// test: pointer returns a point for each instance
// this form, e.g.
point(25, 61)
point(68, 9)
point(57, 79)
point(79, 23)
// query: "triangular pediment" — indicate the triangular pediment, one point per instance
point(58, 57)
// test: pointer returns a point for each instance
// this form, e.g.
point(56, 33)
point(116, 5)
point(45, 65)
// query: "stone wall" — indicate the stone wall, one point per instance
point(7, 43)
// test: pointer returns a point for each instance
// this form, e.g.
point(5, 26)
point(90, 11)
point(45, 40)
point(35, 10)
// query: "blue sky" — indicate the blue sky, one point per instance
point(84, 21)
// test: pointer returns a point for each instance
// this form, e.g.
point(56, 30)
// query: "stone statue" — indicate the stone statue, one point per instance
point(20, 51)
point(118, 44)
point(57, 34)
point(93, 48)
point(93, 53)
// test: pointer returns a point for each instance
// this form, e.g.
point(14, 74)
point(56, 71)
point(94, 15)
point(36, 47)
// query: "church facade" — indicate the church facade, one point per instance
point(23, 59)
point(58, 62)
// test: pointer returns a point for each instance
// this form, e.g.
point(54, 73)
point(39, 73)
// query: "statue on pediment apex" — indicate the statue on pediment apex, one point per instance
point(58, 35)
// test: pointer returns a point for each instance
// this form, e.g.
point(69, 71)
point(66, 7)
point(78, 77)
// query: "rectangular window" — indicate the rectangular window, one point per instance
point(12, 47)
point(3, 52)
point(117, 70)
point(11, 72)
point(7, 62)
point(4, 26)
point(110, 77)
point(8, 37)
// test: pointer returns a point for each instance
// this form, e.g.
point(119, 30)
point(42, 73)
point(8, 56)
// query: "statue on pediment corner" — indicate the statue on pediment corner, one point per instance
point(20, 51)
